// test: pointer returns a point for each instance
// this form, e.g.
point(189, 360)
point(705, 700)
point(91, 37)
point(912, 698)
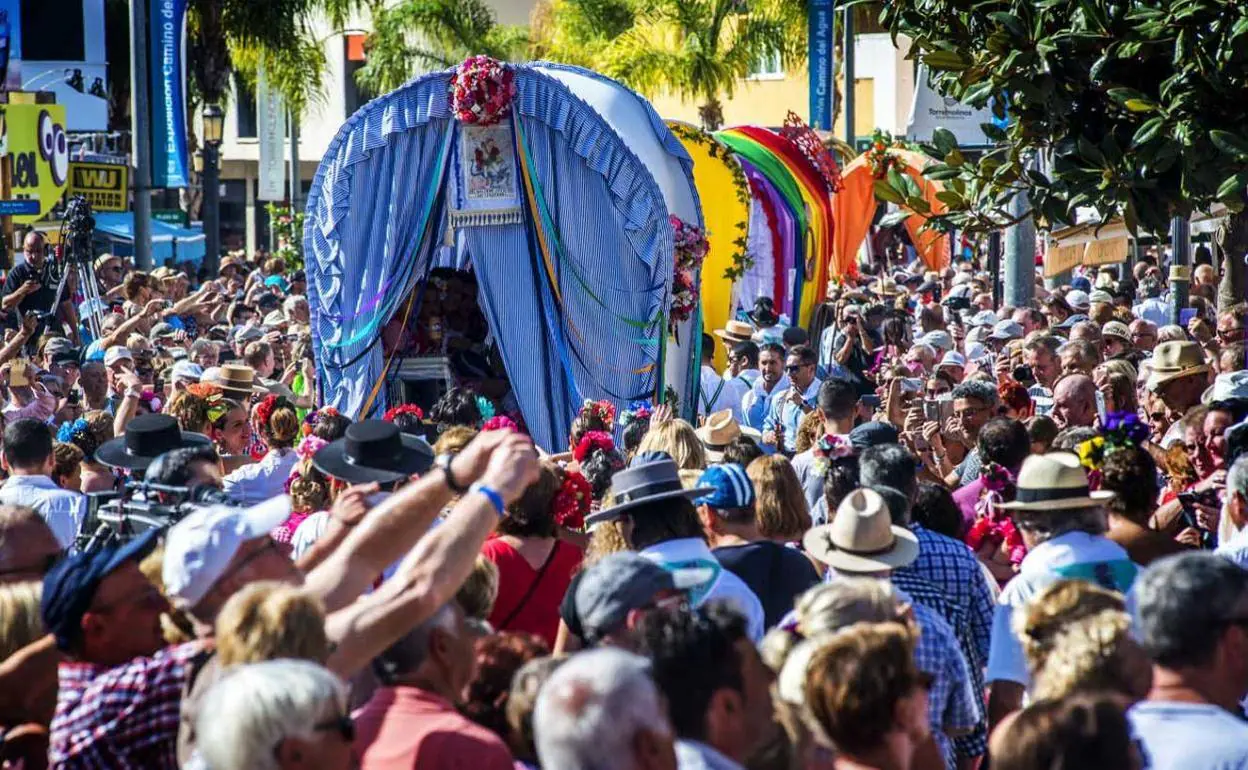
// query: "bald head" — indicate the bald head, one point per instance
point(26, 544)
point(1074, 402)
point(32, 248)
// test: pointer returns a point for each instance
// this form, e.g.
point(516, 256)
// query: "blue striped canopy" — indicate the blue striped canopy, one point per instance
point(377, 214)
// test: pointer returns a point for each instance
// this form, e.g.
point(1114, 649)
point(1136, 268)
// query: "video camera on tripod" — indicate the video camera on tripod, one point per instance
point(75, 255)
point(118, 517)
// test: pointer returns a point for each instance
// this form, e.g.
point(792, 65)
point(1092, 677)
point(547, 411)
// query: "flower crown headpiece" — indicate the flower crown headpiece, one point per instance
point(411, 409)
point(594, 439)
point(834, 447)
point(636, 411)
point(1118, 430)
point(501, 422)
point(73, 430)
point(314, 418)
point(603, 409)
point(271, 403)
point(572, 501)
point(309, 446)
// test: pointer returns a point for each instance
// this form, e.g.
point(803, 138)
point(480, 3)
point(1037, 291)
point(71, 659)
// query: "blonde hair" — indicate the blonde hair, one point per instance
point(20, 623)
point(780, 508)
point(679, 440)
point(477, 595)
point(809, 430)
point(689, 477)
point(1074, 635)
point(454, 439)
point(269, 620)
point(605, 539)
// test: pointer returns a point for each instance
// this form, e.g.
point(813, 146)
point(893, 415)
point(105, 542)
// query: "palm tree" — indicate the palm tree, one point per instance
point(577, 31)
point(416, 35)
point(700, 49)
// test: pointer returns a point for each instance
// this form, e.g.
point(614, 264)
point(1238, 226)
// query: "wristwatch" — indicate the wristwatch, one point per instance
point(443, 461)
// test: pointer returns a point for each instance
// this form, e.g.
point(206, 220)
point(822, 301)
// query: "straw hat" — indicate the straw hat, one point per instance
point(1054, 482)
point(862, 537)
point(719, 430)
point(1172, 360)
point(239, 379)
point(735, 331)
point(886, 287)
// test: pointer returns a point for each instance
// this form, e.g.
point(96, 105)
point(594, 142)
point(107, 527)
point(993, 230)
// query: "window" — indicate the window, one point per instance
point(245, 117)
point(767, 67)
point(354, 59)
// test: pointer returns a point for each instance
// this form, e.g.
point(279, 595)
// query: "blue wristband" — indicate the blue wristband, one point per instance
point(493, 496)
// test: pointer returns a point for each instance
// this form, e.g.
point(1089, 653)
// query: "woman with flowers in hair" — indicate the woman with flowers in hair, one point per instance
point(635, 420)
point(87, 433)
point(309, 490)
point(275, 421)
point(594, 416)
point(535, 565)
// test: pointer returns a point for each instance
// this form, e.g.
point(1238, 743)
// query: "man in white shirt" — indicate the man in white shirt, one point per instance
point(1191, 617)
point(28, 458)
point(772, 381)
point(719, 392)
point(1062, 524)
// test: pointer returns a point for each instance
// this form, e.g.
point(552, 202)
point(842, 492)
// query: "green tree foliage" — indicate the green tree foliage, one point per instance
point(700, 49)
point(417, 35)
point(1140, 105)
point(578, 31)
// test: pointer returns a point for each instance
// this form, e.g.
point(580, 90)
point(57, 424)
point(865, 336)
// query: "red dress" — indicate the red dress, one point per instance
point(527, 601)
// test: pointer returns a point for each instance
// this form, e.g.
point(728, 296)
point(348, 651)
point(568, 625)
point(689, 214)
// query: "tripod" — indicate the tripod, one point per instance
point(76, 253)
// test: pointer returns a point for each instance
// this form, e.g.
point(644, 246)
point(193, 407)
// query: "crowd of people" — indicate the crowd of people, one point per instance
point(927, 532)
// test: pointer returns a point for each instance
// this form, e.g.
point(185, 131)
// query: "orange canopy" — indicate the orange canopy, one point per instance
point(853, 208)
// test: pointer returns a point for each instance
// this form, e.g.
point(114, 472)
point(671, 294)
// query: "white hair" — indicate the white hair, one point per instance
point(591, 709)
point(1237, 477)
point(256, 706)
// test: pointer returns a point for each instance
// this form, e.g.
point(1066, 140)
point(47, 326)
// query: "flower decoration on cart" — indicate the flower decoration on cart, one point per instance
point(482, 91)
point(690, 247)
point(572, 502)
point(808, 142)
point(594, 439)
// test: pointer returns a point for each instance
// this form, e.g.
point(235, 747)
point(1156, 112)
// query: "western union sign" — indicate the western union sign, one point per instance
point(104, 185)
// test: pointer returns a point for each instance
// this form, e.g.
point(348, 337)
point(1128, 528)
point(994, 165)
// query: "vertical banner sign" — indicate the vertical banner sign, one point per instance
point(168, 101)
point(820, 59)
point(271, 127)
point(10, 45)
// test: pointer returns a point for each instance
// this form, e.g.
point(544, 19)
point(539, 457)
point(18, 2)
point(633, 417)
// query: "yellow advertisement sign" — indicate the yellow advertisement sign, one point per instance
point(39, 154)
point(104, 185)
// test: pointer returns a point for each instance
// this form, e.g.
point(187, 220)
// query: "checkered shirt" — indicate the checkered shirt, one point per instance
point(953, 704)
point(122, 717)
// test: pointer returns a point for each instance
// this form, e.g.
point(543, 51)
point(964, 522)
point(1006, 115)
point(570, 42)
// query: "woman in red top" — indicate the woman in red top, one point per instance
point(534, 565)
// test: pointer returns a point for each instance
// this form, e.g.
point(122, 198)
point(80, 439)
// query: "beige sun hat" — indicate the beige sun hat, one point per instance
point(1117, 329)
point(720, 430)
point(735, 331)
point(1172, 360)
point(862, 537)
point(1054, 482)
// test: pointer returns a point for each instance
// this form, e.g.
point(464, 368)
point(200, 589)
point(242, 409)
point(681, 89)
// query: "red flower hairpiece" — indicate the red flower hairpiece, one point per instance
point(411, 409)
point(264, 409)
point(603, 409)
point(572, 501)
point(594, 439)
point(501, 422)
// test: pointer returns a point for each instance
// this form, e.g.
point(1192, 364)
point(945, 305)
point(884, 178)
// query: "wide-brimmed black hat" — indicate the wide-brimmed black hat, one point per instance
point(374, 450)
point(655, 478)
point(147, 437)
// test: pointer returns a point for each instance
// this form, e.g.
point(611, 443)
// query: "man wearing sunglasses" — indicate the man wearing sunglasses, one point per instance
point(788, 409)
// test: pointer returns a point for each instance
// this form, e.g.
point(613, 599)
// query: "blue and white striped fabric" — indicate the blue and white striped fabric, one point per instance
point(364, 245)
point(733, 489)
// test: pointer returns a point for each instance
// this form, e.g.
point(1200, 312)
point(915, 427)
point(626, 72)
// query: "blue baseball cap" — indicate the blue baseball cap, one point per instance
point(69, 587)
point(278, 281)
point(733, 489)
point(1081, 284)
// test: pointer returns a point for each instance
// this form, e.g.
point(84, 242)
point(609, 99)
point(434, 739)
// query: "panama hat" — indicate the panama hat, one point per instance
point(653, 477)
point(1054, 481)
point(735, 331)
point(1175, 359)
point(862, 537)
point(374, 450)
point(720, 430)
point(235, 379)
point(886, 287)
point(148, 436)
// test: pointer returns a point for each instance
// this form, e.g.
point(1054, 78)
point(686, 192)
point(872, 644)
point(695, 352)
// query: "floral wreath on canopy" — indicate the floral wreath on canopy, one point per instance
point(481, 91)
point(689, 249)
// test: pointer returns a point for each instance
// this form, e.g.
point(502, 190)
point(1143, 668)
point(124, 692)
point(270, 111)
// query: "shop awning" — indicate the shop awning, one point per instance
point(181, 244)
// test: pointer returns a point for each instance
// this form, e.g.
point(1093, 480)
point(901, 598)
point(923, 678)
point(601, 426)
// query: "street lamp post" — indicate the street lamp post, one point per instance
point(214, 126)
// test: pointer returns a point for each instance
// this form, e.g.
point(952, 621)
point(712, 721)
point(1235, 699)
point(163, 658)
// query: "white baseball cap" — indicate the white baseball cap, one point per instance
point(117, 353)
point(1007, 330)
point(200, 547)
point(1078, 300)
point(984, 318)
point(938, 339)
point(188, 370)
point(952, 358)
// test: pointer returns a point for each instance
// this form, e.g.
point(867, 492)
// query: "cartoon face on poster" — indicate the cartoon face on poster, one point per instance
point(39, 149)
point(489, 163)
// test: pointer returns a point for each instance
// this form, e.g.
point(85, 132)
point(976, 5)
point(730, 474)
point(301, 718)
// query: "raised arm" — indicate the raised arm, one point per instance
point(391, 529)
point(434, 570)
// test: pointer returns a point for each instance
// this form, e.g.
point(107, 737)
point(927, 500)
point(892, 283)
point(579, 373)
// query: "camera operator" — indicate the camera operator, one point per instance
point(31, 286)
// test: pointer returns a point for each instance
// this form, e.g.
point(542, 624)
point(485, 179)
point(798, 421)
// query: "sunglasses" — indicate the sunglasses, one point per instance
point(343, 724)
point(796, 368)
